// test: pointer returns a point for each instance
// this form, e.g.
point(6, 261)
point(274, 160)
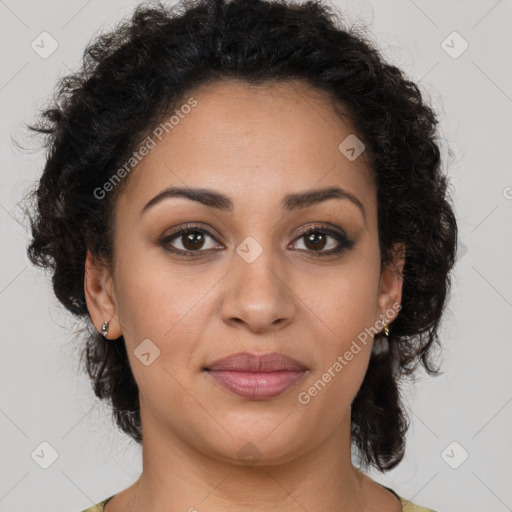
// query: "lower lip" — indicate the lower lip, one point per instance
point(257, 385)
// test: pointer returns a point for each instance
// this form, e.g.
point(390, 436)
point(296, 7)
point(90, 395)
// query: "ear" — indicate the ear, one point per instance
point(100, 298)
point(391, 281)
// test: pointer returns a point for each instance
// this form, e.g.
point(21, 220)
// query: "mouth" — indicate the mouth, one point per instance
point(256, 377)
point(256, 385)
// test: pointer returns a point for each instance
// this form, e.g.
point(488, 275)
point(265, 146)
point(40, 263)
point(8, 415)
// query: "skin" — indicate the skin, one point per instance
point(254, 144)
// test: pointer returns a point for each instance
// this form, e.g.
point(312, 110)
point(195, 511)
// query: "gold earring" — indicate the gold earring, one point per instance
point(386, 326)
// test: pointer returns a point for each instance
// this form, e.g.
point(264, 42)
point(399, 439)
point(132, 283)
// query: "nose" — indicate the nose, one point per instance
point(258, 295)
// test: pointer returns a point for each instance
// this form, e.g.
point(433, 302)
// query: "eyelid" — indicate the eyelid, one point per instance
point(325, 226)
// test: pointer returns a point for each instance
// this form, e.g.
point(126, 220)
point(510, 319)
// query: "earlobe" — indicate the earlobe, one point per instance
point(100, 298)
point(391, 284)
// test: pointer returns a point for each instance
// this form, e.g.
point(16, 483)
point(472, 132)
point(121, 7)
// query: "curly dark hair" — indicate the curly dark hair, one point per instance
point(134, 75)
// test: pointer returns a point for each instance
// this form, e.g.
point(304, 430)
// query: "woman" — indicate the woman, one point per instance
point(245, 203)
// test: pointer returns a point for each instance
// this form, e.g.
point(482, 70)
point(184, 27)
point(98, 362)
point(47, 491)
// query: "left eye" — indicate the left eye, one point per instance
point(316, 240)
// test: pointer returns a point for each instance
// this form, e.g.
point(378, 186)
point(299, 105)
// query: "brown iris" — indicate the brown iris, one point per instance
point(313, 240)
point(195, 238)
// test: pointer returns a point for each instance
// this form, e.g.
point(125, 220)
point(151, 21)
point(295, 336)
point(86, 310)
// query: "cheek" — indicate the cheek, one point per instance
point(344, 342)
point(153, 311)
point(151, 295)
point(334, 384)
point(345, 314)
point(347, 302)
point(160, 303)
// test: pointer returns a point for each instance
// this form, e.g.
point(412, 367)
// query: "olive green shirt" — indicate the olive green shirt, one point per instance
point(407, 506)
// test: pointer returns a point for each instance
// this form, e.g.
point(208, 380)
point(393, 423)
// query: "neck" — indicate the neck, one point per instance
point(179, 476)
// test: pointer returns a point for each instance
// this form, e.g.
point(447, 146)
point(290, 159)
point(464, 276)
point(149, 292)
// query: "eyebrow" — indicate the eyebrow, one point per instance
point(214, 199)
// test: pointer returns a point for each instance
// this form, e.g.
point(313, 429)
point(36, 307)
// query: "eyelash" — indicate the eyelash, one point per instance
point(343, 242)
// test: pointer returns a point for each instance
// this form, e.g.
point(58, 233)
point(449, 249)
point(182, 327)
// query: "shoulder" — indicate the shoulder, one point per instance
point(99, 507)
point(408, 506)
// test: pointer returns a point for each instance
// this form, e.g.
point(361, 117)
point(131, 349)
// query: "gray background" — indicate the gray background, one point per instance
point(43, 398)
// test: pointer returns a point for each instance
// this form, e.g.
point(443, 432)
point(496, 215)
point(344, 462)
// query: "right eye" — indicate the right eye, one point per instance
point(192, 239)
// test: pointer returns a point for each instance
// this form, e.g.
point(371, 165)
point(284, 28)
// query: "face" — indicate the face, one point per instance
point(249, 277)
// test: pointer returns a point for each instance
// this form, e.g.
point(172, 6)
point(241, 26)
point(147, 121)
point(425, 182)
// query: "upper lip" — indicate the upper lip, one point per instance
point(245, 361)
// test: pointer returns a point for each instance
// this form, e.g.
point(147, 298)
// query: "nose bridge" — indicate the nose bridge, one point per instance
point(258, 292)
point(257, 262)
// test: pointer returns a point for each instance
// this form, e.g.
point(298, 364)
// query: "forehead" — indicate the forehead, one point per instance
point(252, 142)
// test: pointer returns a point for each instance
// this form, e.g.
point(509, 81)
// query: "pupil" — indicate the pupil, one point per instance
point(192, 238)
point(314, 238)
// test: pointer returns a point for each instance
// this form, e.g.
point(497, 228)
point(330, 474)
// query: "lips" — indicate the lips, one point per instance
point(246, 362)
point(256, 377)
